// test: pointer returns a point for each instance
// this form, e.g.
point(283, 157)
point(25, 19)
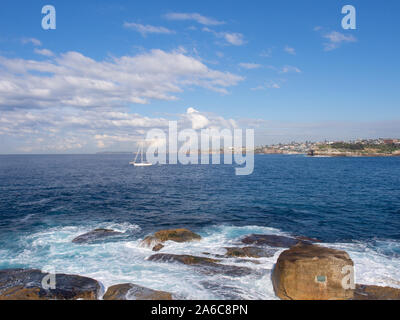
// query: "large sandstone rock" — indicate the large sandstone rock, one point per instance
point(95, 235)
point(366, 292)
point(177, 235)
point(21, 284)
point(311, 272)
point(130, 291)
point(273, 240)
point(204, 265)
point(251, 252)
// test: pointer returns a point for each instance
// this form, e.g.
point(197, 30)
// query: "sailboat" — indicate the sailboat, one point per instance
point(142, 163)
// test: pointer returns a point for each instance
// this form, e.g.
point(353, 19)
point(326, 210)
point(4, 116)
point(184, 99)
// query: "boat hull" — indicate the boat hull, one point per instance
point(141, 164)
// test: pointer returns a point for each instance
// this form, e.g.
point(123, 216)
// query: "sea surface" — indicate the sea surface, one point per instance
point(47, 200)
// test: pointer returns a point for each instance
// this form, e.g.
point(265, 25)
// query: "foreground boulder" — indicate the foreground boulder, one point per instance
point(177, 235)
point(22, 284)
point(249, 252)
point(366, 292)
point(205, 265)
point(273, 240)
point(130, 291)
point(312, 272)
point(95, 235)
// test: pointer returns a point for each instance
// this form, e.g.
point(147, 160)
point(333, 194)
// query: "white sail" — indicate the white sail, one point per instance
point(142, 163)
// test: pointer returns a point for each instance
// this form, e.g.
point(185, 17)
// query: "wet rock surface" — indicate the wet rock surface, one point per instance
point(250, 252)
point(26, 284)
point(273, 240)
point(206, 265)
point(177, 235)
point(95, 235)
point(130, 291)
point(369, 292)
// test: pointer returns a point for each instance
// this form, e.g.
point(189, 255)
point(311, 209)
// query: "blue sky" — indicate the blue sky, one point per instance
point(287, 68)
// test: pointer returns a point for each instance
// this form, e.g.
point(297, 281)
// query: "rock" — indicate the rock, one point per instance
point(366, 292)
point(185, 259)
point(206, 265)
point(177, 235)
point(26, 284)
point(130, 291)
point(218, 256)
point(158, 247)
point(94, 235)
point(311, 272)
point(251, 252)
point(149, 242)
point(307, 239)
point(272, 240)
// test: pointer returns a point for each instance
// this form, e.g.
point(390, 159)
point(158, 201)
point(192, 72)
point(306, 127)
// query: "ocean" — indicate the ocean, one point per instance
point(47, 200)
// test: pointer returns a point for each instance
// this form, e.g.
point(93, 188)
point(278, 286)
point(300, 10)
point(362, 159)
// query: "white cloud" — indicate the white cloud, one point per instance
point(44, 52)
point(72, 79)
point(289, 69)
point(290, 50)
point(193, 17)
point(198, 120)
point(249, 65)
point(269, 85)
point(236, 39)
point(232, 38)
point(146, 29)
point(73, 130)
point(335, 40)
point(33, 41)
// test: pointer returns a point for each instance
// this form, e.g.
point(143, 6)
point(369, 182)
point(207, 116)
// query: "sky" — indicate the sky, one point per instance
point(111, 71)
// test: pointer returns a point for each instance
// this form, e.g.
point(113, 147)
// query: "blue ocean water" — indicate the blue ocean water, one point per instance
point(47, 200)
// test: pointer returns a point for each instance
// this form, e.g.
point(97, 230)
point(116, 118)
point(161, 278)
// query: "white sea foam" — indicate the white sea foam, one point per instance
point(125, 261)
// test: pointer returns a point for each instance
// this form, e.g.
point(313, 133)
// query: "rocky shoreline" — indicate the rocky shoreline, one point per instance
point(305, 270)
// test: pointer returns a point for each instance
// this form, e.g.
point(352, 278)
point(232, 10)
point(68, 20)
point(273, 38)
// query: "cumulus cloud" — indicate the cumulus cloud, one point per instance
point(198, 120)
point(334, 39)
point(232, 38)
point(74, 129)
point(193, 17)
point(146, 29)
point(44, 52)
point(72, 79)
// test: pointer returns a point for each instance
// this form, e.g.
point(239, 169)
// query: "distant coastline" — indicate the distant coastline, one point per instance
point(354, 148)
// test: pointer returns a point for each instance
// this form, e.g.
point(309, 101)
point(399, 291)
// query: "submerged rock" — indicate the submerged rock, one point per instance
point(95, 235)
point(26, 284)
point(177, 235)
point(273, 240)
point(206, 265)
point(367, 292)
point(158, 247)
point(130, 291)
point(251, 252)
point(183, 258)
point(311, 272)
